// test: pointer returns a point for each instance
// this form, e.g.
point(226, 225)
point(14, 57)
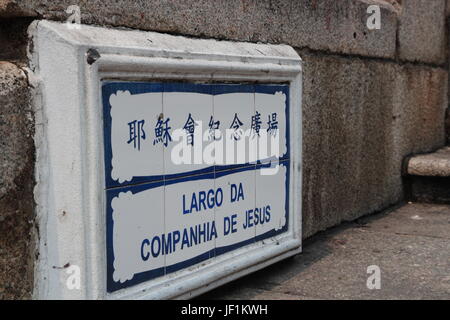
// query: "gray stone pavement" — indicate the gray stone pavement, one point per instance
point(410, 244)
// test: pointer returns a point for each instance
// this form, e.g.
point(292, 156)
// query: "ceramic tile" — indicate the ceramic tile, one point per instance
point(271, 213)
point(131, 156)
point(135, 222)
point(234, 218)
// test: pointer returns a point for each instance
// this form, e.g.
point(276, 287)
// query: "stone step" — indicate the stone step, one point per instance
point(427, 177)
point(436, 164)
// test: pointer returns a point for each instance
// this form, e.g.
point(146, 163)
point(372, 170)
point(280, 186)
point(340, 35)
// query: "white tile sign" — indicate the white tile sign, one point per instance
point(192, 171)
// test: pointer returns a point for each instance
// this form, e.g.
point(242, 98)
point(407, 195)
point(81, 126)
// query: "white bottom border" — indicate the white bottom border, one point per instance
point(191, 283)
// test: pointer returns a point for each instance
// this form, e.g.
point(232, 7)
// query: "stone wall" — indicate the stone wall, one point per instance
point(360, 119)
point(370, 97)
point(16, 184)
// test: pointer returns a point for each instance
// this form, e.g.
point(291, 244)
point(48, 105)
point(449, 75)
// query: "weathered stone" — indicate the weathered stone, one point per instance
point(447, 125)
point(16, 184)
point(361, 118)
point(431, 164)
point(415, 219)
point(409, 245)
point(14, 39)
point(422, 31)
point(328, 25)
point(12, 8)
point(338, 26)
point(427, 177)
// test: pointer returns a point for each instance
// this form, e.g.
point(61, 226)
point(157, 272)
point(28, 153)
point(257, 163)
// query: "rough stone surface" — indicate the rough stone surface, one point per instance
point(410, 245)
point(447, 125)
point(428, 189)
point(422, 31)
point(431, 164)
point(360, 119)
point(14, 39)
point(338, 26)
point(328, 25)
point(16, 184)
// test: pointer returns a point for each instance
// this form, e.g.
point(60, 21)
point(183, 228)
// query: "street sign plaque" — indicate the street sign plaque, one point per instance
point(166, 166)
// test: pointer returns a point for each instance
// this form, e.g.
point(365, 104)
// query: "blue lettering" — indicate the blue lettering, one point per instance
point(184, 205)
point(219, 192)
point(267, 213)
point(204, 200)
point(202, 233)
point(201, 200)
point(194, 203)
point(194, 235)
point(185, 240)
point(155, 240)
point(248, 219)
point(145, 257)
point(233, 192)
point(226, 226)
point(230, 224)
point(176, 239)
point(237, 193)
point(167, 243)
point(233, 223)
point(240, 192)
point(257, 216)
point(213, 231)
point(211, 199)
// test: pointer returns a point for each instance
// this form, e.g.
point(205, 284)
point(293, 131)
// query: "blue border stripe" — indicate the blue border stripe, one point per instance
point(109, 88)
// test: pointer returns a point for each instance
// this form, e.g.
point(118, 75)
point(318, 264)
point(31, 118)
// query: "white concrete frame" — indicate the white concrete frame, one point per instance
point(69, 189)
